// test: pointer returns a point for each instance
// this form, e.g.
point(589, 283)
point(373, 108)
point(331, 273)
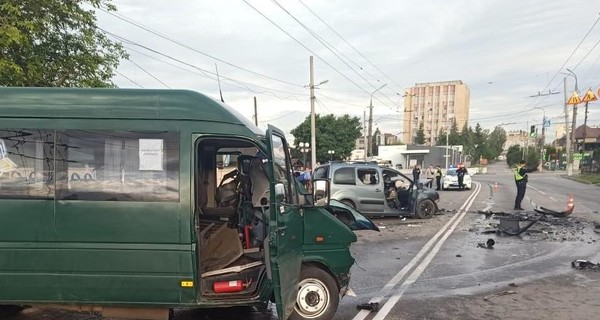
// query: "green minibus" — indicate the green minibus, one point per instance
point(134, 202)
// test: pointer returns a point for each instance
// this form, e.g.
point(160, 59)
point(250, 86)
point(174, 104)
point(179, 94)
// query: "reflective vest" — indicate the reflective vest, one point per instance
point(438, 173)
point(518, 176)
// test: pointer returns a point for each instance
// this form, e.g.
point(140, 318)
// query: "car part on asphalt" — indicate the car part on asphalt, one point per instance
point(489, 244)
point(371, 306)
point(512, 226)
point(543, 210)
point(585, 264)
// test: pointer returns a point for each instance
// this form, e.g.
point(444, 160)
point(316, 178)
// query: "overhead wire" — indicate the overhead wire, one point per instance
point(150, 30)
point(208, 76)
point(243, 83)
point(327, 45)
point(350, 45)
point(305, 47)
point(148, 73)
point(126, 77)
point(567, 60)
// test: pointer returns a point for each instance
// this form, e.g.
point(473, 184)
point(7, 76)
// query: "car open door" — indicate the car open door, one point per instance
point(286, 227)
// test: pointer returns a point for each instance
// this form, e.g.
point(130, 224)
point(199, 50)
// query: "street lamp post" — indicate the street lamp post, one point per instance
point(448, 117)
point(330, 153)
point(571, 137)
point(304, 149)
point(542, 138)
point(369, 138)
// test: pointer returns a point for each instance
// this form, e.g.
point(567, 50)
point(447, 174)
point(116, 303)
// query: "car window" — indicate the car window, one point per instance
point(321, 172)
point(451, 173)
point(344, 175)
point(368, 176)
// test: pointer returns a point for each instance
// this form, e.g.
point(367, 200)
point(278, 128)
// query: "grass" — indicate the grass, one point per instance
point(588, 178)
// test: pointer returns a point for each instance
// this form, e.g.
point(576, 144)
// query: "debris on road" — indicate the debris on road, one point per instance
point(512, 284)
point(459, 255)
point(539, 226)
point(489, 244)
point(512, 226)
point(585, 264)
point(497, 294)
point(371, 306)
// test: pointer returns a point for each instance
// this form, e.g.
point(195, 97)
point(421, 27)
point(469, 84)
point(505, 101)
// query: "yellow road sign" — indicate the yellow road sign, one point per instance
point(589, 96)
point(574, 99)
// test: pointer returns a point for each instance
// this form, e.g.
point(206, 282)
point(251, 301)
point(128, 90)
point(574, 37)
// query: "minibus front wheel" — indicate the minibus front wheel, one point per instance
point(318, 295)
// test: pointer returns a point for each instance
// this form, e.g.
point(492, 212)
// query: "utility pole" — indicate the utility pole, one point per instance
point(255, 113)
point(542, 142)
point(313, 139)
point(365, 134)
point(370, 138)
point(567, 135)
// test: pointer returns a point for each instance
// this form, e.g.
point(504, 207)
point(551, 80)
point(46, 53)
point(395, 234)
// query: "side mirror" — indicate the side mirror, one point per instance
point(280, 192)
point(321, 192)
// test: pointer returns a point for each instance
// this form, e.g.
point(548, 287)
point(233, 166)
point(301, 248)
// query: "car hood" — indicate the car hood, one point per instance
point(361, 222)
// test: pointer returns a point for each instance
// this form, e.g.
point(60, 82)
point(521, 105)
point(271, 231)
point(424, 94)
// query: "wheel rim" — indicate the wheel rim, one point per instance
point(426, 208)
point(313, 298)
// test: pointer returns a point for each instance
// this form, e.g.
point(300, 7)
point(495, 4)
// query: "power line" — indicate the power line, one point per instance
point(350, 45)
point(148, 29)
point(243, 83)
point(305, 47)
point(586, 55)
point(568, 58)
point(327, 45)
point(148, 73)
point(126, 77)
point(205, 75)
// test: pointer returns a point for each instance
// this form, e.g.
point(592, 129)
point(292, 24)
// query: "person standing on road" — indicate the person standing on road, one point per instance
point(438, 177)
point(416, 173)
point(521, 182)
point(430, 175)
point(460, 174)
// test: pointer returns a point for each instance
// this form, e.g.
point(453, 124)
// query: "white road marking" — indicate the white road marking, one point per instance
point(400, 275)
point(538, 190)
point(552, 198)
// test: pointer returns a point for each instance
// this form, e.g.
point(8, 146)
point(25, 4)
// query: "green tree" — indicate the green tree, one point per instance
point(495, 142)
point(332, 133)
point(514, 154)
point(420, 136)
point(55, 43)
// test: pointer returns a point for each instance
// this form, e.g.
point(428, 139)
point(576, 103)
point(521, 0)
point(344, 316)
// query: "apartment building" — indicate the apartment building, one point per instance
point(435, 105)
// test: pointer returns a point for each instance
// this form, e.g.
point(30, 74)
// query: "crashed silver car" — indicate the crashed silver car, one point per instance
point(378, 191)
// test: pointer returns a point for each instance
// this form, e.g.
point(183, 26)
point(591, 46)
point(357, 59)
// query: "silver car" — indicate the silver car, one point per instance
point(378, 191)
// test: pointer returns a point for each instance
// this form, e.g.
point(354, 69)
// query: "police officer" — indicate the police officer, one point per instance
point(521, 182)
point(438, 177)
point(460, 175)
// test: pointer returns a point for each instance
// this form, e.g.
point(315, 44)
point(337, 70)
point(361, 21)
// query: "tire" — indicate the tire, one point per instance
point(318, 295)
point(349, 203)
point(425, 209)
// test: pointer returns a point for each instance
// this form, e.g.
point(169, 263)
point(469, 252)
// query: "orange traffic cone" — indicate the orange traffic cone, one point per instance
point(570, 205)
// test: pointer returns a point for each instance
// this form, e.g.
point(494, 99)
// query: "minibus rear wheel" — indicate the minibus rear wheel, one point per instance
point(318, 295)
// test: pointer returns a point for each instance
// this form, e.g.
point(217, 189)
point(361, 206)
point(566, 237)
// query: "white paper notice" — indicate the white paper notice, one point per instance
point(151, 154)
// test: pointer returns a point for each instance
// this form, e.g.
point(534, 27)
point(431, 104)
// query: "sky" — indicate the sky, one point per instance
point(507, 52)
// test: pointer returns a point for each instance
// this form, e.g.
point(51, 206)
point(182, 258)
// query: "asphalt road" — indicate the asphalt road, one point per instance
point(434, 269)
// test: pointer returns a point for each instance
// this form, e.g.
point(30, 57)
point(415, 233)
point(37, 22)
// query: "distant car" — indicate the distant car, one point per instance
point(450, 180)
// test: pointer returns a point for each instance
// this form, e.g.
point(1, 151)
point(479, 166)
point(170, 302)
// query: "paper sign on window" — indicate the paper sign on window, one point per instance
point(151, 154)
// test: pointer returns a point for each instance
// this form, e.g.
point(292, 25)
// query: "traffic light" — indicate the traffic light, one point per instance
point(532, 132)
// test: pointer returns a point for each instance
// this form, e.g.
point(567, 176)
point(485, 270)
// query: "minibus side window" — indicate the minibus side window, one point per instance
point(118, 165)
point(26, 164)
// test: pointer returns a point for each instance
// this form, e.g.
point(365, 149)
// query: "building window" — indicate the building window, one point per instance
point(118, 165)
point(26, 164)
